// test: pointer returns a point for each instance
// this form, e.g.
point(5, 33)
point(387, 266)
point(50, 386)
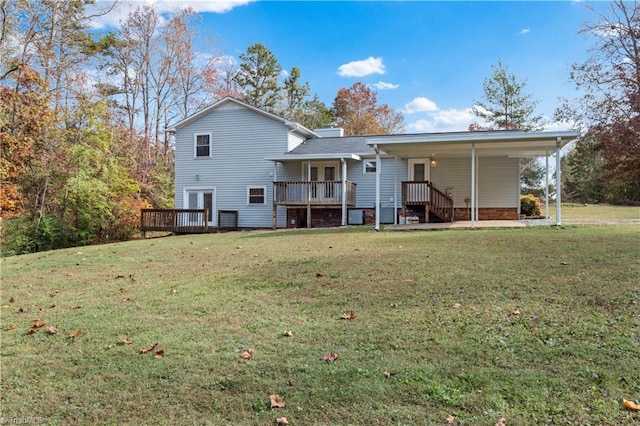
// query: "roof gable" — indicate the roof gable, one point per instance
point(233, 103)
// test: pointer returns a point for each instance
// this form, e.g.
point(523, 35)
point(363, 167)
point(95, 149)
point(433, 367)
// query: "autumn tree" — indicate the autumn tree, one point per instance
point(582, 172)
point(357, 111)
point(609, 107)
point(258, 77)
point(505, 105)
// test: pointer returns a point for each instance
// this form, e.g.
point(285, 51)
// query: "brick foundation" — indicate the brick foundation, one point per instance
point(487, 213)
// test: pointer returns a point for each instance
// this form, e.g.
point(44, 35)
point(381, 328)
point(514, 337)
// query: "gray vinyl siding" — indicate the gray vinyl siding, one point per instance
point(241, 139)
point(366, 183)
point(497, 180)
point(294, 141)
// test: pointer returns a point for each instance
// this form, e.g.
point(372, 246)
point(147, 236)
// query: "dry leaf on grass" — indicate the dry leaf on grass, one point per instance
point(516, 311)
point(631, 405)
point(501, 422)
point(75, 334)
point(331, 357)
point(149, 348)
point(389, 373)
point(348, 315)
point(319, 275)
point(450, 419)
point(457, 306)
point(11, 326)
point(159, 354)
point(248, 354)
point(282, 421)
point(276, 402)
point(52, 330)
point(288, 333)
point(37, 324)
point(126, 341)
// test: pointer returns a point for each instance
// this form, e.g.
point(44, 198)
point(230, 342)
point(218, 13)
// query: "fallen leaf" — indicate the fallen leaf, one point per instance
point(457, 306)
point(288, 333)
point(52, 330)
point(389, 374)
point(631, 405)
point(126, 341)
point(501, 422)
point(11, 326)
point(54, 294)
point(282, 421)
point(275, 401)
point(149, 348)
point(450, 419)
point(348, 315)
point(319, 275)
point(126, 299)
point(37, 323)
point(5, 306)
point(75, 334)
point(159, 354)
point(248, 354)
point(331, 357)
point(516, 311)
point(11, 300)
point(21, 310)
point(174, 291)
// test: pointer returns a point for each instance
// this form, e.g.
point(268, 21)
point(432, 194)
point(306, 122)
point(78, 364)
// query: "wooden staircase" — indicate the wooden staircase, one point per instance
point(423, 193)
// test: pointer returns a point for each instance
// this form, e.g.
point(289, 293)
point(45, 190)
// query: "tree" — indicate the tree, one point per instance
point(582, 174)
point(294, 95)
point(505, 105)
point(356, 110)
point(258, 77)
point(610, 103)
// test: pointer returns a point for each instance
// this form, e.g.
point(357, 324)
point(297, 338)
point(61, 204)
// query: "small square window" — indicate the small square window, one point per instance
point(369, 166)
point(256, 195)
point(203, 145)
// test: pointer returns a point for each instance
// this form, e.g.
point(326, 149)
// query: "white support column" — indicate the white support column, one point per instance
point(546, 185)
point(473, 185)
point(375, 147)
point(309, 183)
point(477, 187)
point(395, 190)
point(558, 183)
point(344, 191)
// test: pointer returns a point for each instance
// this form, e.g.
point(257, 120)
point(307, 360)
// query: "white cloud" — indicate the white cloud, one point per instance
point(362, 68)
point(420, 104)
point(525, 31)
point(124, 7)
point(451, 120)
point(381, 85)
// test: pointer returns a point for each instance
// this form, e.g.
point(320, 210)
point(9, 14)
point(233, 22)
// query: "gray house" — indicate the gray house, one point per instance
point(274, 172)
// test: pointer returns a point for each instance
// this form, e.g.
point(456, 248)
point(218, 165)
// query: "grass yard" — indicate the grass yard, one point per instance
point(596, 211)
point(534, 326)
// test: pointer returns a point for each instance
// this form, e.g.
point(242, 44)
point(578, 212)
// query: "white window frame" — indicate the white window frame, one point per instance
point(264, 195)
point(364, 166)
point(195, 145)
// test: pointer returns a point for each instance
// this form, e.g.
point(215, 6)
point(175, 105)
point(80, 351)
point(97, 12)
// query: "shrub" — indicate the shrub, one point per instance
point(530, 205)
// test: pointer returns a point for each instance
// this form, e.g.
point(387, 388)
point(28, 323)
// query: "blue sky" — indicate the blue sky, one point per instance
point(427, 59)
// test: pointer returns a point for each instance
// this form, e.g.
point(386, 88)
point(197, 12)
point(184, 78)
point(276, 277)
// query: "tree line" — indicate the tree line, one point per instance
point(83, 145)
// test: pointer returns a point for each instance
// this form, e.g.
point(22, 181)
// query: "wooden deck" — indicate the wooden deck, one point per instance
point(180, 221)
point(316, 193)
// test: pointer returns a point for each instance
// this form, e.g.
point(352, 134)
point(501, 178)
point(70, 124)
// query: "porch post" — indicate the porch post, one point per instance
point(344, 191)
point(395, 190)
point(558, 182)
point(473, 185)
point(377, 227)
point(309, 194)
point(546, 185)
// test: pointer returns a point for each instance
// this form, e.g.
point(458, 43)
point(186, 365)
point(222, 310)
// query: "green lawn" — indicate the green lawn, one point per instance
point(534, 325)
point(596, 211)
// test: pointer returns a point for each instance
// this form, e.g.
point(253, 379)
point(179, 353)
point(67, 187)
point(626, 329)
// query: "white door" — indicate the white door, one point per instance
point(201, 199)
point(419, 169)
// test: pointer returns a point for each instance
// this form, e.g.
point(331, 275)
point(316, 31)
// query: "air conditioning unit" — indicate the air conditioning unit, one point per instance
point(356, 217)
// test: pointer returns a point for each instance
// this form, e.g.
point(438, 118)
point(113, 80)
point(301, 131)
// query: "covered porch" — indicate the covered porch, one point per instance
point(476, 149)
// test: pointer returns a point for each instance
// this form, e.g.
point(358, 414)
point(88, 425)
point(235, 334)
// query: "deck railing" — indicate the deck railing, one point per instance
point(317, 193)
point(423, 193)
point(174, 220)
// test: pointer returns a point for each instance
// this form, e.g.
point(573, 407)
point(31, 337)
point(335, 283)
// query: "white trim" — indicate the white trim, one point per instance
point(427, 167)
point(264, 195)
point(195, 145)
point(306, 169)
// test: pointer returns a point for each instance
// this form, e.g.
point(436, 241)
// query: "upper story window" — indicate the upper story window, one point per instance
point(370, 166)
point(203, 145)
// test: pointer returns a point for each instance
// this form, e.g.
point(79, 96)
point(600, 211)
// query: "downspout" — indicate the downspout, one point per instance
point(558, 182)
point(378, 167)
point(473, 185)
point(344, 191)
